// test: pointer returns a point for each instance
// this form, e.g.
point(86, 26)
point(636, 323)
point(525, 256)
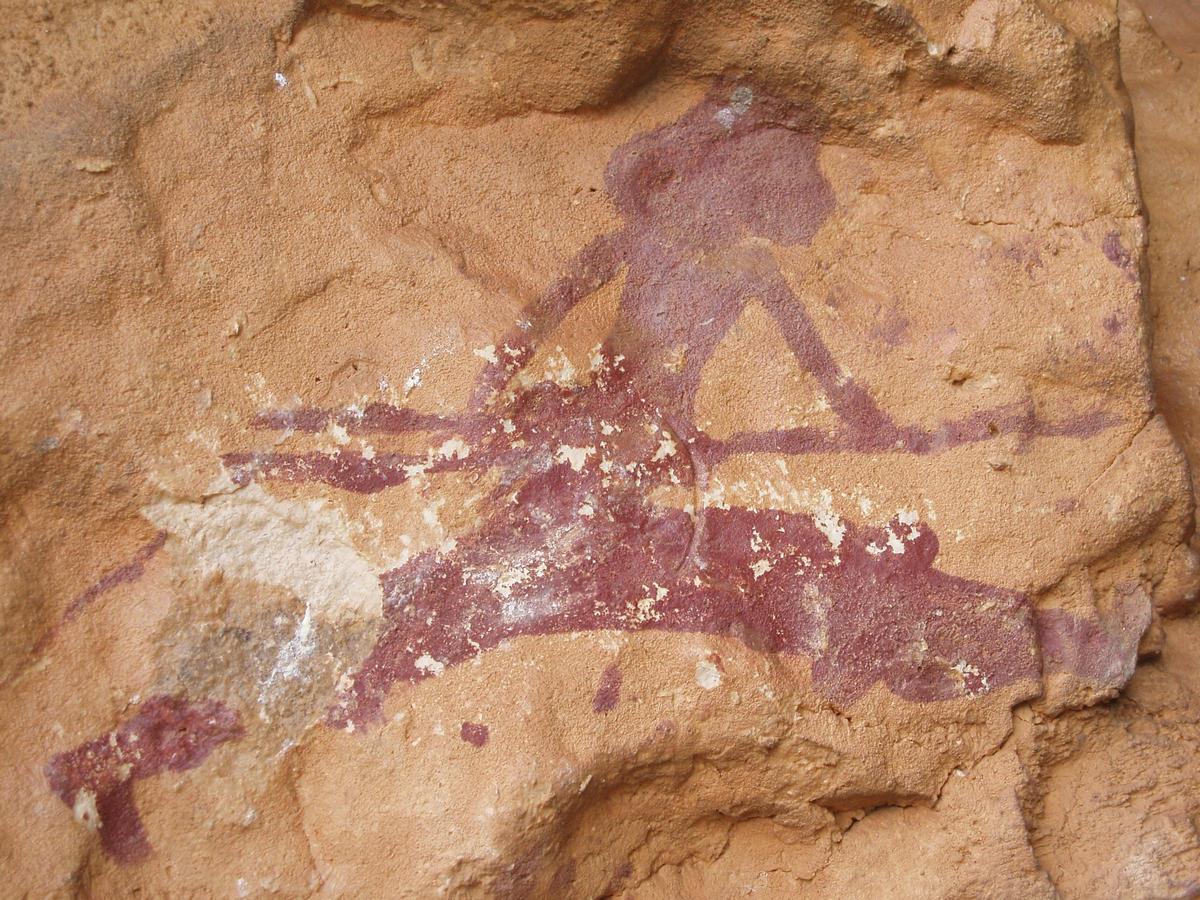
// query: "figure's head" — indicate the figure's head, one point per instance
point(740, 163)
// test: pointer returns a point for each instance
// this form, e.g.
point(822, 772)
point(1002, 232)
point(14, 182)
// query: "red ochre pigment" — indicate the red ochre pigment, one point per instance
point(572, 541)
point(474, 733)
point(166, 734)
point(608, 692)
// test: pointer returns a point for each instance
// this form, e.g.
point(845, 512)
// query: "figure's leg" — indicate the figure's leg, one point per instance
point(869, 427)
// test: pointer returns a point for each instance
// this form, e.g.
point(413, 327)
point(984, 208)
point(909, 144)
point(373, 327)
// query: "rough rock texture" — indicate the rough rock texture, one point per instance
point(616, 448)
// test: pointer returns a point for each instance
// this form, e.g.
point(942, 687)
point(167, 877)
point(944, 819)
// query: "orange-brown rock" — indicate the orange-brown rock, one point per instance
point(545, 449)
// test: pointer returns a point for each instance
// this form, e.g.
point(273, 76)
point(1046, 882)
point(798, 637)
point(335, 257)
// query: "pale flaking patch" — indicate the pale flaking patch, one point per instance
point(302, 547)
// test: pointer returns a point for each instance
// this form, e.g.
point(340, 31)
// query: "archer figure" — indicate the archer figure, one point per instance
point(701, 198)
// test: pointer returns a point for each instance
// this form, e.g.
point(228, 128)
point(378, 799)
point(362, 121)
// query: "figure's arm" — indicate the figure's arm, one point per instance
point(352, 470)
point(591, 268)
point(374, 418)
point(349, 470)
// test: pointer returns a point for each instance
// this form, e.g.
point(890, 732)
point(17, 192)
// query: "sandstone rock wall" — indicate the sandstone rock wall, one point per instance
point(599, 449)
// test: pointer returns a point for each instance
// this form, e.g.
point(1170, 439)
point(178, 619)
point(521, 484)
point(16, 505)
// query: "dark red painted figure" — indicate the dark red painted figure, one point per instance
point(96, 778)
point(573, 542)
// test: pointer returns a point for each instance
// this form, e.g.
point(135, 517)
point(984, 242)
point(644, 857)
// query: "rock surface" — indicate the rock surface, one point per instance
point(539, 449)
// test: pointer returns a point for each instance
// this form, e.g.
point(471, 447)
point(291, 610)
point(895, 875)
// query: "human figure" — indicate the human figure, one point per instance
point(701, 198)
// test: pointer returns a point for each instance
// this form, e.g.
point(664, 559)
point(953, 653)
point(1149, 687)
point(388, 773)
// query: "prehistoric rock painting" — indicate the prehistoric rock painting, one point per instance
point(573, 538)
point(96, 778)
point(573, 541)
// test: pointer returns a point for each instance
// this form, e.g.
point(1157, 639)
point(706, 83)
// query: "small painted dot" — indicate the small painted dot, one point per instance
point(474, 733)
point(608, 693)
